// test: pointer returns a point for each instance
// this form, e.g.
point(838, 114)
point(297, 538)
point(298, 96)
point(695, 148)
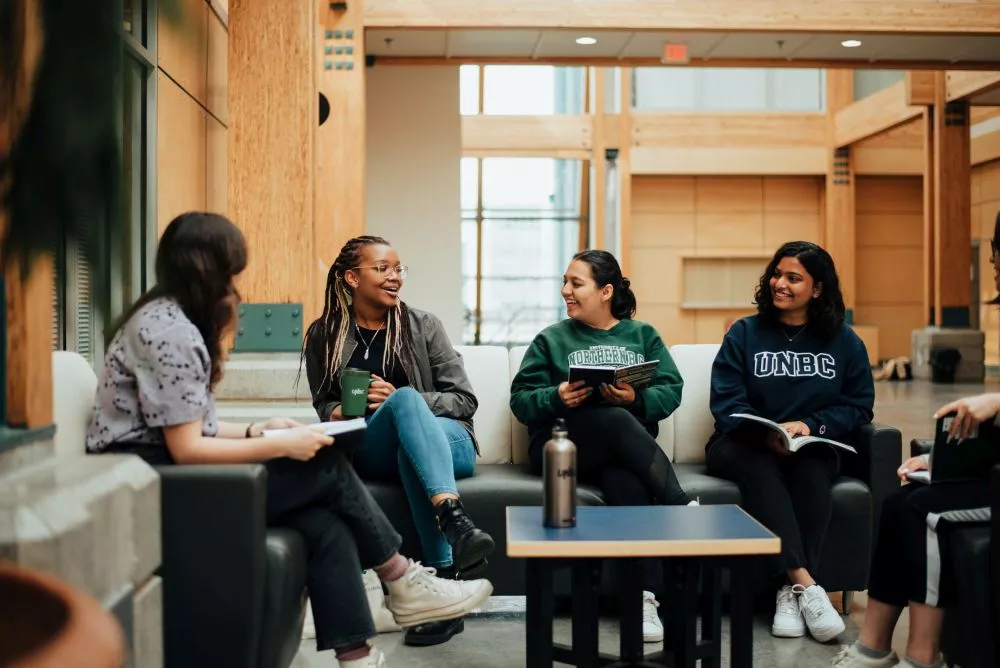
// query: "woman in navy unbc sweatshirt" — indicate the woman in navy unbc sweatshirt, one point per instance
point(797, 363)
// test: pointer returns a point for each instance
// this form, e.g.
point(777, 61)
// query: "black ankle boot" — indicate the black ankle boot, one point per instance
point(435, 633)
point(470, 545)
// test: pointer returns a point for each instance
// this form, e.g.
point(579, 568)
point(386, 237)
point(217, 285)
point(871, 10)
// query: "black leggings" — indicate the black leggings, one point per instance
point(790, 494)
point(608, 438)
point(911, 560)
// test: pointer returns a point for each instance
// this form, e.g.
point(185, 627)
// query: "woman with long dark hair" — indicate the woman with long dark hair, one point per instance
point(615, 428)
point(420, 405)
point(155, 399)
point(797, 363)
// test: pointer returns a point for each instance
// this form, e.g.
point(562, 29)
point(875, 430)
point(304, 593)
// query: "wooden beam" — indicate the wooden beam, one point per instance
point(273, 112)
point(839, 221)
point(952, 209)
point(887, 161)
point(625, 171)
point(559, 133)
point(875, 113)
point(759, 161)
point(919, 88)
point(339, 212)
point(985, 148)
point(962, 85)
point(559, 154)
point(591, 61)
point(598, 163)
point(845, 16)
point(721, 130)
point(932, 307)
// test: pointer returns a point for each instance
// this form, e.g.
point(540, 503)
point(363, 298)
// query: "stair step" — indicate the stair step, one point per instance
point(263, 377)
point(259, 411)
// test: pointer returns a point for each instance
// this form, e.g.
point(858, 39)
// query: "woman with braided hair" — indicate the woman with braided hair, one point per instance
point(420, 405)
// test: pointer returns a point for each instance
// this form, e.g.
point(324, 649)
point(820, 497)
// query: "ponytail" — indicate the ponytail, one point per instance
point(623, 303)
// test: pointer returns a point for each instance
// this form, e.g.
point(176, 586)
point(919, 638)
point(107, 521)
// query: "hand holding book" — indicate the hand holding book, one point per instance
point(782, 436)
point(621, 394)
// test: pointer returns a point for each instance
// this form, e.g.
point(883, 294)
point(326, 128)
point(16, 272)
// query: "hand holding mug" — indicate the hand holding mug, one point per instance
point(378, 392)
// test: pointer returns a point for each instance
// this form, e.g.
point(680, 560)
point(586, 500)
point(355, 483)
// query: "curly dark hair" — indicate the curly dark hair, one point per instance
point(197, 258)
point(826, 312)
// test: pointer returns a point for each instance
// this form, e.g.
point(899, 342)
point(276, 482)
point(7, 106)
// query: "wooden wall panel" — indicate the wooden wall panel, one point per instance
point(181, 153)
point(182, 49)
point(272, 116)
point(985, 207)
point(217, 77)
point(889, 237)
point(217, 167)
point(677, 218)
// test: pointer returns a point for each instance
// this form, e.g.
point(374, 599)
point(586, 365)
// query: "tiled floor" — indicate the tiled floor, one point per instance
point(498, 639)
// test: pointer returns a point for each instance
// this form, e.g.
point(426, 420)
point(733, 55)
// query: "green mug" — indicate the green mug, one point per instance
point(354, 392)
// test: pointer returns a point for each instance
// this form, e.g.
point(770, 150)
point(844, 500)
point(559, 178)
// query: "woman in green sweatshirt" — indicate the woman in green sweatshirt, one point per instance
point(614, 428)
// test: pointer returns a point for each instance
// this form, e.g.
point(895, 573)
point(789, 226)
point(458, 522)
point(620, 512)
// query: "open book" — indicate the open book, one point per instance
point(636, 375)
point(335, 428)
point(793, 443)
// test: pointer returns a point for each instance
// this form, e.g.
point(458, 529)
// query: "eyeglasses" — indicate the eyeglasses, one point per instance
point(384, 270)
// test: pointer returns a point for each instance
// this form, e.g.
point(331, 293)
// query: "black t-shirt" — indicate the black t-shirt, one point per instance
point(373, 342)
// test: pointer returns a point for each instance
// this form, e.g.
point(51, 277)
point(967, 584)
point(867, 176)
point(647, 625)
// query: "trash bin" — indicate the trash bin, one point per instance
point(944, 363)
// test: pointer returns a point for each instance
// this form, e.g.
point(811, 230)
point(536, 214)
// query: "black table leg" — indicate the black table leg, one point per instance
point(685, 627)
point(586, 579)
point(711, 614)
point(741, 612)
point(538, 615)
point(630, 609)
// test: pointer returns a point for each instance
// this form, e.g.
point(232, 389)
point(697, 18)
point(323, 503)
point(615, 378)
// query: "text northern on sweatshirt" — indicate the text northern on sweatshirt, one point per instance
point(534, 396)
point(825, 382)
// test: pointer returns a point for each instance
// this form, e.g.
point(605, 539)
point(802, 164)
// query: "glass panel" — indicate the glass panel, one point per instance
point(132, 19)
point(530, 230)
point(468, 82)
point(533, 90)
point(728, 89)
point(869, 82)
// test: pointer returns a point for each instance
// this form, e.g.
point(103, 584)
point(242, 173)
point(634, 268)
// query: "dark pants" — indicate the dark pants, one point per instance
point(616, 452)
point(789, 494)
point(345, 532)
point(911, 560)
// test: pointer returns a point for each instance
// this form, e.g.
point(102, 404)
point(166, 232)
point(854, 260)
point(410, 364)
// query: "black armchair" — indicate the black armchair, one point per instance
point(234, 590)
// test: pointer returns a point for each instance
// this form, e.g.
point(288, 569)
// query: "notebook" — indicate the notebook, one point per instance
point(954, 461)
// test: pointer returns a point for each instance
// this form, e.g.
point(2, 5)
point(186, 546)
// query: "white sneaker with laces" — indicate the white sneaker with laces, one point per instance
point(652, 627)
point(850, 657)
point(384, 622)
point(419, 597)
point(822, 620)
point(375, 659)
point(788, 622)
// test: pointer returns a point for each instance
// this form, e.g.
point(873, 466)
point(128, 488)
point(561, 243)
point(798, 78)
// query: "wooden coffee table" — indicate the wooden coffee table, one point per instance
point(705, 540)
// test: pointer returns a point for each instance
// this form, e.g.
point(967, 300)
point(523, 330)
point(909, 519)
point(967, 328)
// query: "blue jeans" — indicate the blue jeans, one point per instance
point(405, 442)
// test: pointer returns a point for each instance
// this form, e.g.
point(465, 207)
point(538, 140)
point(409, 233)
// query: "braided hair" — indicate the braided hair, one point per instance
point(331, 328)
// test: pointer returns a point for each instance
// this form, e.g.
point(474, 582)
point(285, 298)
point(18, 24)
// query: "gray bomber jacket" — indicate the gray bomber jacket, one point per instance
point(436, 371)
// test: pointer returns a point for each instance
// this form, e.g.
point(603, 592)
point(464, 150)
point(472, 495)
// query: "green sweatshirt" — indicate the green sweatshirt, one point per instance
point(534, 396)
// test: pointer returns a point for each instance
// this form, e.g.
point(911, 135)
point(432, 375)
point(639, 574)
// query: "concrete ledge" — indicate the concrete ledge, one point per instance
point(260, 410)
point(263, 376)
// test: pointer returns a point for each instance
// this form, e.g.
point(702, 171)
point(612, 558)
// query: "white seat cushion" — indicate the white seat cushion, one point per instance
point(487, 368)
point(693, 421)
point(519, 433)
point(74, 386)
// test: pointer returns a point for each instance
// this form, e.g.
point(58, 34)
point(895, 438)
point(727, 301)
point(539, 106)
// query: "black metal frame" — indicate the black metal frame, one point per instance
point(697, 591)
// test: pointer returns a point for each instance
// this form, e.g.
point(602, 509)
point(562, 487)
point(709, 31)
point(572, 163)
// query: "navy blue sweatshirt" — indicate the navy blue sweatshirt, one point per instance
point(825, 382)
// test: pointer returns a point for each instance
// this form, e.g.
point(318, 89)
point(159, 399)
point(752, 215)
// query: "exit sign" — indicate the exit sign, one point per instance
point(675, 54)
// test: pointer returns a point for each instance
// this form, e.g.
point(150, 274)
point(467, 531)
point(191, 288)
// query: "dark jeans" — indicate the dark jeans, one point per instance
point(616, 452)
point(344, 529)
point(911, 560)
point(790, 495)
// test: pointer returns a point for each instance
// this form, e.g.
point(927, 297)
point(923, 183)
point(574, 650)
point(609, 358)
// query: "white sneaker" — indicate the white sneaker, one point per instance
point(823, 621)
point(375, 659)
point(419, 597)
point(788, 622)
point(652, 627)
point(384, 622)
point(308, 625)
point(850, 657)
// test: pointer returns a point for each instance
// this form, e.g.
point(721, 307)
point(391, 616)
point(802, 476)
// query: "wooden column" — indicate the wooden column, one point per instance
point(598, 162)
point(625, 170)
point(340, 140)
point(932, 307)
point(27, 294)
point(839, 222)
point(952, 209)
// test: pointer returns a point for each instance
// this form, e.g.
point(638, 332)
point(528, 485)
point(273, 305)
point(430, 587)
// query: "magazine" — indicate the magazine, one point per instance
point(793, 443)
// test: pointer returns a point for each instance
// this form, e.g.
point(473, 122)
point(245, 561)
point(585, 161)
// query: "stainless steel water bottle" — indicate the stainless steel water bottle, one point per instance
point(559, 475)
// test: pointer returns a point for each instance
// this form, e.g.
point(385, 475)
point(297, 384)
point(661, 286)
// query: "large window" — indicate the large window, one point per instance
point(728, 89)
point(521, 221)
point(869, 82)
point(522, 90)
point(75, 326)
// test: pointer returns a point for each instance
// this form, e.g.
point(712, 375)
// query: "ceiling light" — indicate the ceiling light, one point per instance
point(586, 41)
point(851, 43)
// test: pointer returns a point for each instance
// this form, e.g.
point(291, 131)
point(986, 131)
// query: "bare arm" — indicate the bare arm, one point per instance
point(187, 445)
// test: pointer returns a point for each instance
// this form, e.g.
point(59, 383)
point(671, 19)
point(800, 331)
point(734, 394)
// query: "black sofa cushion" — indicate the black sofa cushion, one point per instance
point(284, 596)
point(969, 636)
